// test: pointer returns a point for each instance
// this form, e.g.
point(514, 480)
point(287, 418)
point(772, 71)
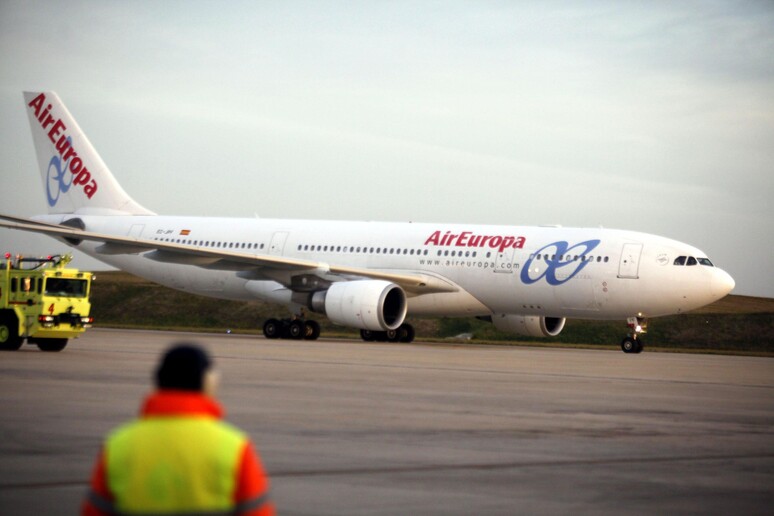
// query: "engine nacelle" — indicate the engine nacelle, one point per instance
point(374, 305)
point(529, 325)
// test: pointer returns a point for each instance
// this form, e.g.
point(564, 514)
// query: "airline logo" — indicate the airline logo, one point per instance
point(470, 239)
point(558, 262)
point(67, 168)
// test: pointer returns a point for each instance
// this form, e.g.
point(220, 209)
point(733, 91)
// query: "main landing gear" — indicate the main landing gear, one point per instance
point(300, 329)
point(296, 329)
point(404, 333)
point(632, 343)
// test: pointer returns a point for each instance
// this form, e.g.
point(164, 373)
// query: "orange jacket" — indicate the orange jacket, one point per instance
point(251, 492)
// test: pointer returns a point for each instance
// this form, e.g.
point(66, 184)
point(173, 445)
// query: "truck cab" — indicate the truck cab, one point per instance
point(43, 302)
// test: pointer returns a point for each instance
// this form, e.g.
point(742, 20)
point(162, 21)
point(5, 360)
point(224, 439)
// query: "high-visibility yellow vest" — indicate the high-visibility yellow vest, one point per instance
point(174, 464)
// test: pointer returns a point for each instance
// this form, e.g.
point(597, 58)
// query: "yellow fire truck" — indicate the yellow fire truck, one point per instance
point(42, 301)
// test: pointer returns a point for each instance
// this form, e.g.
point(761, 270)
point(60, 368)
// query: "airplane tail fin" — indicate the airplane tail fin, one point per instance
point(75, 178)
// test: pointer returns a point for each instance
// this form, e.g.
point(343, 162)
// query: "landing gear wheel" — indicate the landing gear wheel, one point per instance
point(392, 335)
point(311, 330)
point(52, 345)
point(631, 345)
point(406, 333)
point(9, 333)
point(367, 335)
point(296, 329)
point(272, 329)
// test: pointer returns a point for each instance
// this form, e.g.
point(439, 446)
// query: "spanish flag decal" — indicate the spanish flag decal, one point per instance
point(185, 232)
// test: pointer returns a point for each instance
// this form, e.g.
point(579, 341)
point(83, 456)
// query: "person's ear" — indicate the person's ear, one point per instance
point(211, 383)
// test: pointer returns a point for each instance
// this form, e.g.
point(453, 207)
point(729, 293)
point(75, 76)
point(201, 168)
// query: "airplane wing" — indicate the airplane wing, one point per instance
point(291, 272)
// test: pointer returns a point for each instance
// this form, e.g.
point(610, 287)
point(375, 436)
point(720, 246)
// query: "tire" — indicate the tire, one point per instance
point(312, 330)
point(639, 346)
point(406, 332)
point(272, 329)
point(629, 345)
point(296, 329)
point(51, 345)
point(367, 335)
point(380, 336)
point(9, 332)
point(393, 335)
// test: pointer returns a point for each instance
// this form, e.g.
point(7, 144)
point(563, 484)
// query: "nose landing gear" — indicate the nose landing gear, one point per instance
point(632, 343)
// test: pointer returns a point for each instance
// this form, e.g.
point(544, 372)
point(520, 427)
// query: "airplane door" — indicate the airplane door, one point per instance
point(504, 261)
point(630, 261)
point(277, 245)
point(136, 230)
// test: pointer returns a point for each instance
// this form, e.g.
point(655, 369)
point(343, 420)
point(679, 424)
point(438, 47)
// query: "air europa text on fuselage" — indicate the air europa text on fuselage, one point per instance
point(57, 135)
point(469, 239)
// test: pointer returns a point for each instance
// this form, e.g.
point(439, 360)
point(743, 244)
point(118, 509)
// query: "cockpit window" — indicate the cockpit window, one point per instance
point(690, 260)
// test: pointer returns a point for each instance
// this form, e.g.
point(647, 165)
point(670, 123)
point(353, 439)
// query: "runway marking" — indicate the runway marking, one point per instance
point(514, 465)
point(214, 351)
point(444, 467)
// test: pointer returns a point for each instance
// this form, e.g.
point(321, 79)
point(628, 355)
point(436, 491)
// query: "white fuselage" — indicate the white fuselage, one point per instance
point(545, 271)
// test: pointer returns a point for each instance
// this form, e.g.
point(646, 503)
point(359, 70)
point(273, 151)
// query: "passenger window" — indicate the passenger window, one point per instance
point(691, 261)
point(680, 260)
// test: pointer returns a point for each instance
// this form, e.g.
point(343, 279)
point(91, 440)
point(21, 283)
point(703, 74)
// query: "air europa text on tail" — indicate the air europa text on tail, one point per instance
point(57, 133)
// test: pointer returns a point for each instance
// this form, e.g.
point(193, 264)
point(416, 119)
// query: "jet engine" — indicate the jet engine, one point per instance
point(529, 325)
point(374, 305)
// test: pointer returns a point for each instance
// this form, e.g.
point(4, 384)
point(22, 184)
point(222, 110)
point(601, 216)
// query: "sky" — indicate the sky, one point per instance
point(651, 116)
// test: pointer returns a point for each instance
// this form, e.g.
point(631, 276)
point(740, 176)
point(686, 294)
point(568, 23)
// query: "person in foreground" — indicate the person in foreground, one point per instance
point(179, 457)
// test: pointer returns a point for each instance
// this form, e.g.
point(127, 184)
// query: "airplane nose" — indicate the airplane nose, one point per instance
point(722, 283)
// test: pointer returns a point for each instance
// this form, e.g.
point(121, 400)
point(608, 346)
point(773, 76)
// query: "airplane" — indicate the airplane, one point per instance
point(365, 275)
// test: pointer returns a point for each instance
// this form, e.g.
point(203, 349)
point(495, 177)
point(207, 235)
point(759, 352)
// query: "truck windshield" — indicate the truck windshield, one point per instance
point(64, 287)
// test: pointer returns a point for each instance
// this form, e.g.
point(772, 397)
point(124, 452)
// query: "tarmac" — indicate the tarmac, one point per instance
point(347, 427)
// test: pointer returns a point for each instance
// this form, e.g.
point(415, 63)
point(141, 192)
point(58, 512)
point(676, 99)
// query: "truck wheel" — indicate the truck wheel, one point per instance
point(9, 333)
point(51, 344)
